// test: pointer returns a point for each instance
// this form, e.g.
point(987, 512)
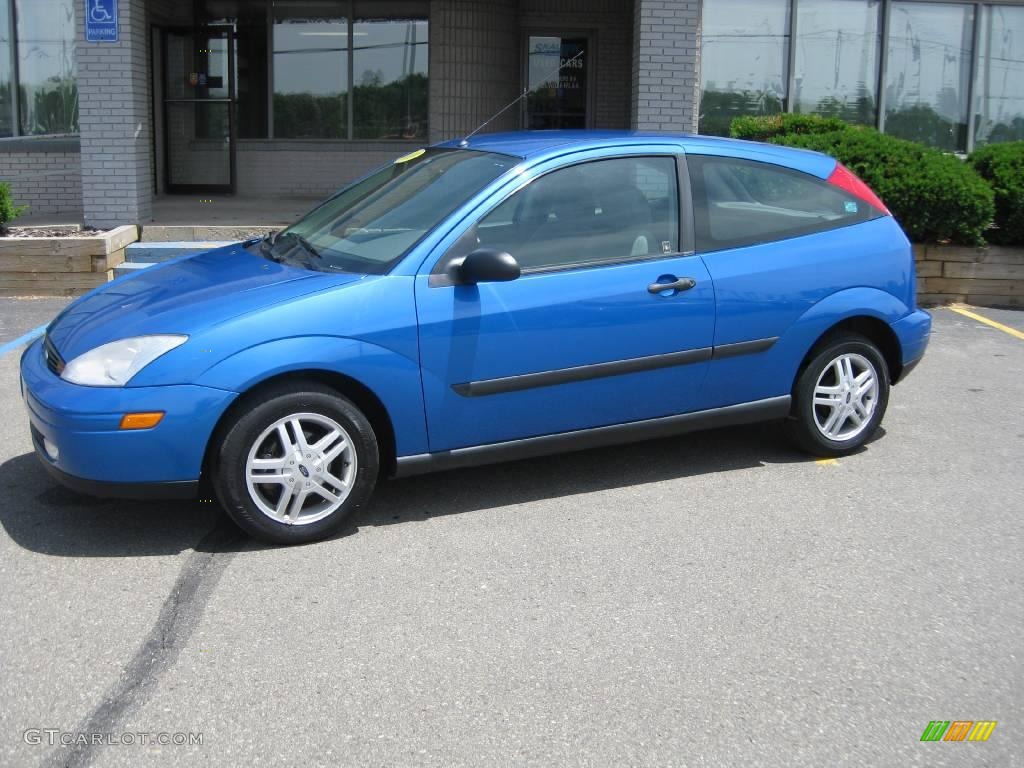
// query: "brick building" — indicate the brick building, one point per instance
point(297, 97)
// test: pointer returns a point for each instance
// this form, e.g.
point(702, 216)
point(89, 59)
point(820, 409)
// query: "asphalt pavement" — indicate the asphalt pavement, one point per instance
point(717, 599)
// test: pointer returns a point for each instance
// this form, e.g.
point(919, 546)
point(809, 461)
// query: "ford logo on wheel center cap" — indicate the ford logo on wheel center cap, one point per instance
point(303, 470)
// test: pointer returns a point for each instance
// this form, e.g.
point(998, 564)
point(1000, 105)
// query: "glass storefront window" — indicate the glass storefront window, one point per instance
point(836, 69)
point(46, 66)
point(313, 43)
point(389, 87)
point(6, 121)
point(743, 60)
point(556, 72)
point(310, 69)
point(928, 72)
point(1000, 85)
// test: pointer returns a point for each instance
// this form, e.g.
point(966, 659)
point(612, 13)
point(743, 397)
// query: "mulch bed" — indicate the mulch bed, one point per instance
point(67, 230)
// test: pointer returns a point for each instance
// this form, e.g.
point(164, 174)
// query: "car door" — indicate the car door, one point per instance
point(584, 337)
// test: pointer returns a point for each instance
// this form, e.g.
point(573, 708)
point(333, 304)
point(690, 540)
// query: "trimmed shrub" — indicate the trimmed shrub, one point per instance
point(1002, 166)
point(934, 196)
point(8, 210)
point(766, 127)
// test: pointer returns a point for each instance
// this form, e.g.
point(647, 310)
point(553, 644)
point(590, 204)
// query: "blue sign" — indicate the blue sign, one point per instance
point(101, 21)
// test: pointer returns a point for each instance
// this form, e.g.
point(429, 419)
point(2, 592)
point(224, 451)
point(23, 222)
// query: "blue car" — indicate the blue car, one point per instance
point(482, 300)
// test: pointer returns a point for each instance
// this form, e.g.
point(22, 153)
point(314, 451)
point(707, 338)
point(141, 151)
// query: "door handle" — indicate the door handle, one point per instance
point(682, 284)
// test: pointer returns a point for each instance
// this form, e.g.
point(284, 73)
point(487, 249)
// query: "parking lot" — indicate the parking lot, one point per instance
point(711, 600)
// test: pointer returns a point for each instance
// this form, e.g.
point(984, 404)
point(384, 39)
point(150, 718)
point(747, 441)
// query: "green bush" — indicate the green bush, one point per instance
point(766, 127)
point(934, 196)
point(719, 108)
point(1002, 166)
point(8, 210)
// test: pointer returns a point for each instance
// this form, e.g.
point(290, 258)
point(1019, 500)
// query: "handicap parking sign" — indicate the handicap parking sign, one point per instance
point(101, 21)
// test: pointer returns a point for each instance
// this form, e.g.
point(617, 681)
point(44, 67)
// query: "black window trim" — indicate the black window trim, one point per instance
point(442, 274)
point(698, 191)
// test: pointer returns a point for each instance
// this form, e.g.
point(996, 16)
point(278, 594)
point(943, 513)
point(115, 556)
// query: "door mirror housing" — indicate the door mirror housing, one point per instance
point(487, 265)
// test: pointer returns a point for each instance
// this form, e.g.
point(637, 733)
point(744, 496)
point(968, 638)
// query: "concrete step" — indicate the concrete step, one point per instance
point(152, 252)
point(131, 267)
point(158, 233)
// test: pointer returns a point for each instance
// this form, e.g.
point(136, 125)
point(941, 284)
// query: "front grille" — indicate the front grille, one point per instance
point(53, 359)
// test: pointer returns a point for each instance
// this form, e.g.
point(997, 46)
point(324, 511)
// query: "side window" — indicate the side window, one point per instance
point(743, 202)
point(605, 210)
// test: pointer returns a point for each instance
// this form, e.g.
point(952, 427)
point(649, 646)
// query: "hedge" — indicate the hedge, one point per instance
point(766, 127)
point(1002, 166)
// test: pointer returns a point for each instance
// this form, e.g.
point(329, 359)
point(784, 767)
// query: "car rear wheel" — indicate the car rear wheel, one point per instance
point(840, 397)
point(295, 464)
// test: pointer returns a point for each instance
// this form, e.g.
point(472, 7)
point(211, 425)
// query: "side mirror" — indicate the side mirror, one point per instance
point(487, 265)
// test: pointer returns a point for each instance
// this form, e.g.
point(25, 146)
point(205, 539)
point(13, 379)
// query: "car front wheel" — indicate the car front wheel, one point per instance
point(295, 464)
point(840, 397)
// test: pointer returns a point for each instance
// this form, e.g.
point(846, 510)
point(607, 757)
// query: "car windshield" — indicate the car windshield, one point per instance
point(370, 225)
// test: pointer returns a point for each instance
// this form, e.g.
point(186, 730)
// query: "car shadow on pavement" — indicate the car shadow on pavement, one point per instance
point(43, 517)
point(467, 490)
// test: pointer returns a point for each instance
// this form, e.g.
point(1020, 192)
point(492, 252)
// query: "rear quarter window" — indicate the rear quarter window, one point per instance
point(743, 202)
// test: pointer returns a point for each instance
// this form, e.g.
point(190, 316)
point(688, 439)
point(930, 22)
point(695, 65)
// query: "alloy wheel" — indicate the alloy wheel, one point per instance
point(845, 397)
point(301, 468)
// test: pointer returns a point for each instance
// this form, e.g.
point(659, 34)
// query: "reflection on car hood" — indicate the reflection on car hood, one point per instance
point(183, 296)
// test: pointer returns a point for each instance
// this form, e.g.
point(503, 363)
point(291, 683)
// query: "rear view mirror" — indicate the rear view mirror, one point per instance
point(488, 265)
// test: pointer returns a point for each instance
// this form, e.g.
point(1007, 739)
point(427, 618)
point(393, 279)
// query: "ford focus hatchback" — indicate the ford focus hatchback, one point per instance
point(492, 299)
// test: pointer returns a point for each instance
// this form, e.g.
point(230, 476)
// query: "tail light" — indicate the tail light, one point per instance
point(844, 178)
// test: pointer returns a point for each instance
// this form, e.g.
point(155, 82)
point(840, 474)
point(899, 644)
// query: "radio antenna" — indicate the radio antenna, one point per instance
point(517, 99)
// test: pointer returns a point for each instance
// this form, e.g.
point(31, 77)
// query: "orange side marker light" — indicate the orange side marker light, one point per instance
point(141, 420)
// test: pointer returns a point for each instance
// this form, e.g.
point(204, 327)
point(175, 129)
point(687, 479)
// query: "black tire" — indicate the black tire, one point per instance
point(803, 425)
point(259, 413)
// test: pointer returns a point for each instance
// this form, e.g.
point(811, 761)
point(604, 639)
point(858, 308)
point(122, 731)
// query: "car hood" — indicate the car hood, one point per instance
point(185, 296)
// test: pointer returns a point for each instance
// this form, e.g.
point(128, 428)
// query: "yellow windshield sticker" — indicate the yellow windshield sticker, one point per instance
point(411, 156)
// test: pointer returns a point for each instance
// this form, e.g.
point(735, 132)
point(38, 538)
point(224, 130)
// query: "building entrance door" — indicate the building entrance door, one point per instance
point(199, 109)
point(558, 78)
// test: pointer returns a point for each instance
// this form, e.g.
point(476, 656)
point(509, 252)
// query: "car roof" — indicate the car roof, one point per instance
point(536, 144)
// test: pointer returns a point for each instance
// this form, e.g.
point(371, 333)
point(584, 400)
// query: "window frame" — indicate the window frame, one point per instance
point(442, 273)
point(702, 220)
point(9, 9)
point(349, 9)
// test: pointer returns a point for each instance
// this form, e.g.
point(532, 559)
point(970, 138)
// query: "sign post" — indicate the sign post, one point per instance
point(101, 21)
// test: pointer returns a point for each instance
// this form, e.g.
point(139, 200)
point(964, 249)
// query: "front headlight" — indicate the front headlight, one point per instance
point(113, 364)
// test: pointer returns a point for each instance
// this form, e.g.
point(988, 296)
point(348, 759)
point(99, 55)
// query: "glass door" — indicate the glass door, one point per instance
point(558, 79)
point(199, 94)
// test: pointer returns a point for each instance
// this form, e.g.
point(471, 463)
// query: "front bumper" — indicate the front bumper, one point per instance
point(171, 489)
point(913, 332)
point(95, 456)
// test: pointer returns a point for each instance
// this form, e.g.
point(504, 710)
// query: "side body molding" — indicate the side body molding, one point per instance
point(613, 368)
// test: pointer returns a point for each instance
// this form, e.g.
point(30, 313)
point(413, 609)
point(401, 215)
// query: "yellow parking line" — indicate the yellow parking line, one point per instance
point(827, 462)
point(961, 310)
